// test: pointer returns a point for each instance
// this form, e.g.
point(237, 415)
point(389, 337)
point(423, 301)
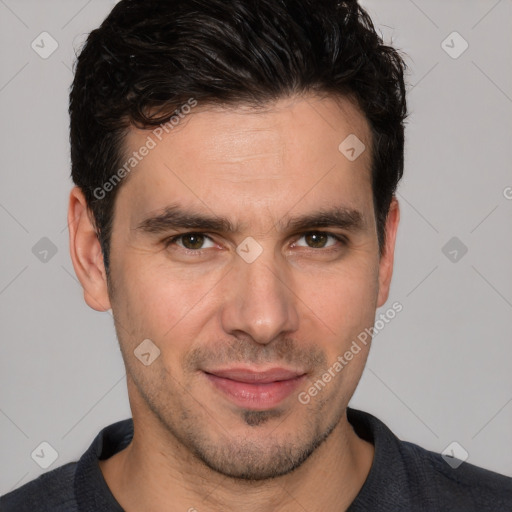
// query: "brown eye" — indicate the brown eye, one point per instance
point(319, 240)
point(316, 240)
point(190, 241)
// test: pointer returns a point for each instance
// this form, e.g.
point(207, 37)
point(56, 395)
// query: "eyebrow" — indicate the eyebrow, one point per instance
point(175, 217)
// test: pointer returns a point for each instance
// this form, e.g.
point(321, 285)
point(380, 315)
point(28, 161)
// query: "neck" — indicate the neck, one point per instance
point(156, 473)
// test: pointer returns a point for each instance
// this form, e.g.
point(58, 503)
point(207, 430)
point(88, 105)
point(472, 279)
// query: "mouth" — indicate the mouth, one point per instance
point(256, 390)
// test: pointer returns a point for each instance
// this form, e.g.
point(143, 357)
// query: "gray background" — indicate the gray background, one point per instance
point(439, 372)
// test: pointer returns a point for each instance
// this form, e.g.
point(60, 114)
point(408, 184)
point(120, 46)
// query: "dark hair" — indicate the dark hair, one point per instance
point(149, 57)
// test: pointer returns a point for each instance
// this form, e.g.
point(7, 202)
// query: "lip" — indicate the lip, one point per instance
point(257, 390)
point(253, 376)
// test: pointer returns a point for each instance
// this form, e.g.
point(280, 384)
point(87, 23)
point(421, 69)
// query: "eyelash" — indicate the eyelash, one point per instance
point(171, 240)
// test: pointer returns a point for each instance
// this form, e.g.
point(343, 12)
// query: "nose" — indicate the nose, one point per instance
point(259, 300)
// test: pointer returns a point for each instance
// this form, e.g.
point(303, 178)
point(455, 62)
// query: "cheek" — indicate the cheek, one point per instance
point(344, 300)
point(343, 308)
point(158, 301)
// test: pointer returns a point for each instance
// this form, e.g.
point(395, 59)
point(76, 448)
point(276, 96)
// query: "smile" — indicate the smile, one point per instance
point(255, 390)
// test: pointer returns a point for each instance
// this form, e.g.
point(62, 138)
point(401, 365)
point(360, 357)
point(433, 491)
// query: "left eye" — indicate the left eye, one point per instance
point(318, 239)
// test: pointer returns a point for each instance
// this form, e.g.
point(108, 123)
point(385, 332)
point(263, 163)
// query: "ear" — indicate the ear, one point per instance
point(388, 255)
point(86, 254)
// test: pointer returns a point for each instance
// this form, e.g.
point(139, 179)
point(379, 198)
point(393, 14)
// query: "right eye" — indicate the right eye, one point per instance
point(192, 242)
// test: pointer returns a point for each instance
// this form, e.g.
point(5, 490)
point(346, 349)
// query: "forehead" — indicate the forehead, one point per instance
point(290, 153)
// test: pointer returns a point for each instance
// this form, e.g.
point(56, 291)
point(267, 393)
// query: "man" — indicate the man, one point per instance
point(235, 164)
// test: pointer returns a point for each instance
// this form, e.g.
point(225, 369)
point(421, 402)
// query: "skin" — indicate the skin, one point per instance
point(300, 304)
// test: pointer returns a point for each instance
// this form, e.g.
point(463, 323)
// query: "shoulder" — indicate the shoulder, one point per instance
point(404, 477)
point(52, 491)
point(465, 487)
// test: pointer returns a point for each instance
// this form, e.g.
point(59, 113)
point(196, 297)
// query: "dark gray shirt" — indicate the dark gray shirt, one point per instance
point(403, 477)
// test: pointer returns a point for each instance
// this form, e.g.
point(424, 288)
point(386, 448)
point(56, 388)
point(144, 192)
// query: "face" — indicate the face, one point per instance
point(244, 246)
